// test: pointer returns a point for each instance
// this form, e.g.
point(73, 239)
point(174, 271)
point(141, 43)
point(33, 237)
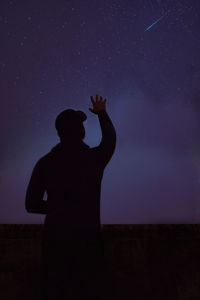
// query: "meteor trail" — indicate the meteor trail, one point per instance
point(154, 23)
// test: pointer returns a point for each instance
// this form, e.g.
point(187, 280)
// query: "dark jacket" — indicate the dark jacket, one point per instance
point(71, 174)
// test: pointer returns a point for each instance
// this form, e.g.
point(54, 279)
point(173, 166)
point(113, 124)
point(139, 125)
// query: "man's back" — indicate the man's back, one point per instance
point(72, 176)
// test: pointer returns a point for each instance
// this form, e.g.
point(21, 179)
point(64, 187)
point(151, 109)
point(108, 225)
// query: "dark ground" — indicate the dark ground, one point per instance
point(144, 261)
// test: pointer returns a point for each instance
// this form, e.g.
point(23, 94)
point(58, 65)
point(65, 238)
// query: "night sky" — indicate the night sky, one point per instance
point(55, 54)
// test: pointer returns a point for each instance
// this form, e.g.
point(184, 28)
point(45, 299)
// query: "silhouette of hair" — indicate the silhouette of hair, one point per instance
point(69, 123)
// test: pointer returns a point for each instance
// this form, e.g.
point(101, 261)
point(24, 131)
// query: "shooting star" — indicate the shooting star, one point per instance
point(154, 23)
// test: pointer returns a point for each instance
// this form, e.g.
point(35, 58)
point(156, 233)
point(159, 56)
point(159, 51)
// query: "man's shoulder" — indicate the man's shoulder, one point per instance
point(57, 152)
point(43, 159)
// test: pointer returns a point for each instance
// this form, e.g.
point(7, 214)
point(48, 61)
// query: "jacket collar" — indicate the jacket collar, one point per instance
point(70, 145)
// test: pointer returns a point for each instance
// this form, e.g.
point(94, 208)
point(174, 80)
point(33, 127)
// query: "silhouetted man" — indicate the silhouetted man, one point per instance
point(71, 174)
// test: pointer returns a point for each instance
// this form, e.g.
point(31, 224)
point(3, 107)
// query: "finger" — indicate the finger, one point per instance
point(104, 101)
point(101, 98)
point(96, 97)
point(92, 99)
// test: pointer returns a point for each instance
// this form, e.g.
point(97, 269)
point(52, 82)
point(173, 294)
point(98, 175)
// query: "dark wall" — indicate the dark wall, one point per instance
point(145, 261)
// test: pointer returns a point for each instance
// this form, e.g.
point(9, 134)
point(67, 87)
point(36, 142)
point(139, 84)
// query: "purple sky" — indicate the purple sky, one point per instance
point(55, 54)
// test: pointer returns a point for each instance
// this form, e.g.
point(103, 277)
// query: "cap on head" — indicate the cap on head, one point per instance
point(69, 122)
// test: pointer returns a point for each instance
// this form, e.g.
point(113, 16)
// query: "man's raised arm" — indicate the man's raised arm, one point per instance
point(108, 141)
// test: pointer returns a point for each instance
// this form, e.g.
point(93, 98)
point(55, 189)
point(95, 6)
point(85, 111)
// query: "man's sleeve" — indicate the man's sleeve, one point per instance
point(34, 202)
point(108, 142)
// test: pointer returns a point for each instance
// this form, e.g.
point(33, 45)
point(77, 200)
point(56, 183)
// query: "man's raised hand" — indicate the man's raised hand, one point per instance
point(98, 105)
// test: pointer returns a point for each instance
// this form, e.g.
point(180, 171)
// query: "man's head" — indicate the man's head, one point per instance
point(69, 124)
